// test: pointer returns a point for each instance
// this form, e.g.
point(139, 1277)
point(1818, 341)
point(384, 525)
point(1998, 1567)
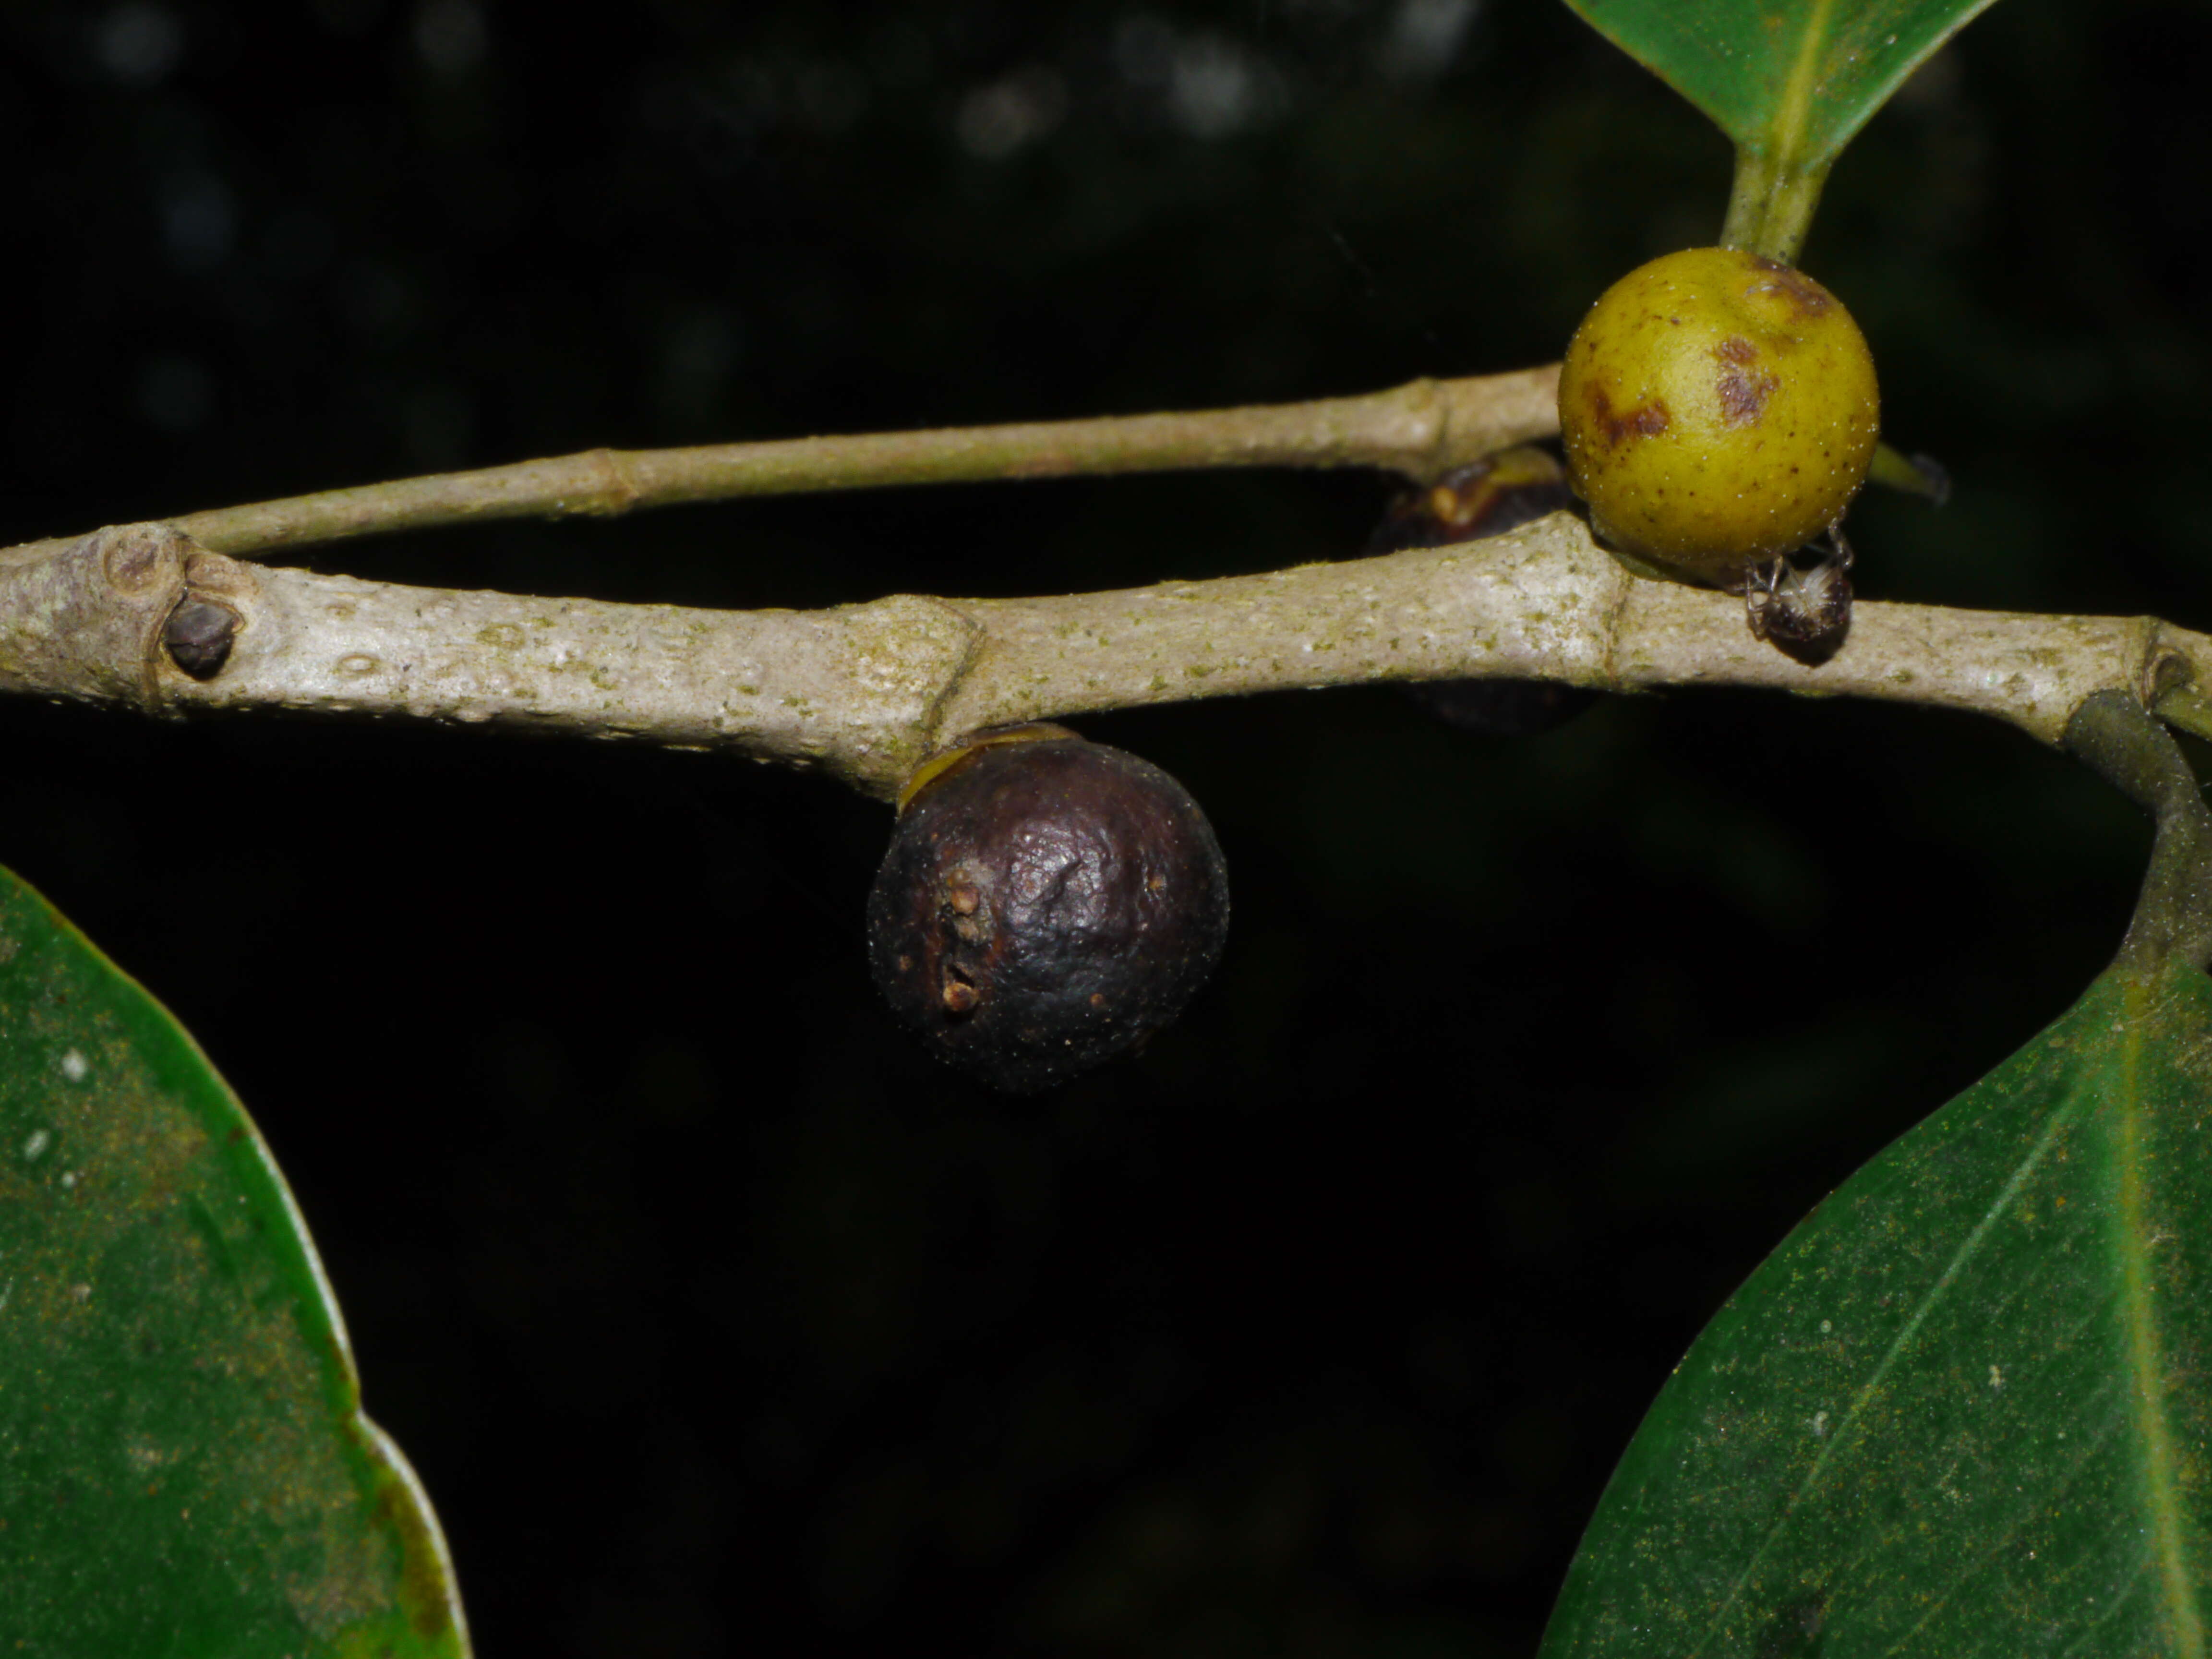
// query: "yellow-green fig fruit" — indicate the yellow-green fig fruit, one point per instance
point(1719, 410)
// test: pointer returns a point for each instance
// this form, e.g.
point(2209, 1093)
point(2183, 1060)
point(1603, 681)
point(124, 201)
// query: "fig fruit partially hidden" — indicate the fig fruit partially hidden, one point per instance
point(1719, 411)
point(1046, 903)
point(1486, 497)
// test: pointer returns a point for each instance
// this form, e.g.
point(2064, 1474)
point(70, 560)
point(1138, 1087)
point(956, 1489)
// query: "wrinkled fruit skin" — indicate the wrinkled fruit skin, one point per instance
point(1718, 411)
point(1486, 497)
point(1044, 906)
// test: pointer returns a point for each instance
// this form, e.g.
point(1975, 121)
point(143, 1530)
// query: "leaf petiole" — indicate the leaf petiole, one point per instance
point(1771, 204)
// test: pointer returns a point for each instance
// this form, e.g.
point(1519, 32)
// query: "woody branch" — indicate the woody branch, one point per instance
point(142, 616)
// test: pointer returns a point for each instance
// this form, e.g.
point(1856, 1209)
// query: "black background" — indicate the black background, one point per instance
point(715, 1317)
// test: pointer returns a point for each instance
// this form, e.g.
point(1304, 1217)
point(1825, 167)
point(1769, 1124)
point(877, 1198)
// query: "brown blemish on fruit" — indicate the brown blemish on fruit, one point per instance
point(1738, 350)
point(1743, 396)
point(1806, 298)
point(1644, 420)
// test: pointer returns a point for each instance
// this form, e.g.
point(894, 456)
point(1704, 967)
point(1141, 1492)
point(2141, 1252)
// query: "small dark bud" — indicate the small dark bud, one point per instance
point(1487, 498)
point(198, 636)
point(1046, 904)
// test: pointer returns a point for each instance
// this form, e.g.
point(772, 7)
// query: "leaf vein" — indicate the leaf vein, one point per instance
point(2090, 1447)
point(2060, 1120)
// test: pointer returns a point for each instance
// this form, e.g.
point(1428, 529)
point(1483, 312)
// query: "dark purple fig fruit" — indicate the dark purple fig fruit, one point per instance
point(1487, 498)
point(1046, 904)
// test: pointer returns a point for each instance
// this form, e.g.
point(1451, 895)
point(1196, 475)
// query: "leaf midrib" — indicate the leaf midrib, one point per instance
point(1793, 112)
point(2145, 1356)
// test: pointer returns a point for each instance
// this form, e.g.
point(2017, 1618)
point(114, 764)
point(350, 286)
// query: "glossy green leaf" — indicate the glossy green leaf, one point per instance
point(1794, 78)
point(184, 1468)
point(1967, 1408)
point(1789, 81)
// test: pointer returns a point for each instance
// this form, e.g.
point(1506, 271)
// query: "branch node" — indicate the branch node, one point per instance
point(1431, 408)
point(617, 494)
point(218, 573)
point(932, 726)
point(85, 622)
point(137, 558)
point(2164, 668)
point(1612, 623)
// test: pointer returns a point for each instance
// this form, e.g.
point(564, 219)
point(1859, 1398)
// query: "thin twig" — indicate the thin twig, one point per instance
point(868, 691)
point(1421, 429)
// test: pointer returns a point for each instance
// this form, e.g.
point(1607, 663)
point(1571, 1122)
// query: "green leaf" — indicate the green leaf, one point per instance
point(1967, 1408)
point(184, 1468)
point(1790, 81)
